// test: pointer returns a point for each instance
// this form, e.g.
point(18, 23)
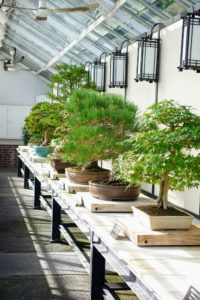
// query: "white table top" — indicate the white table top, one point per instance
point(167, 271)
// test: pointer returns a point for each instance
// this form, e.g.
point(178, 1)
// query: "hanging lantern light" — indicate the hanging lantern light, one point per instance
point(89, 68)
point(190, 46)
point(99, 73)
point(148, 57)
point(119, 67)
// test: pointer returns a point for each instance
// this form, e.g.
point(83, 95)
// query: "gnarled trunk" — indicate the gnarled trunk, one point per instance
point(45, 142)
point(92, 165)
point(163, 192)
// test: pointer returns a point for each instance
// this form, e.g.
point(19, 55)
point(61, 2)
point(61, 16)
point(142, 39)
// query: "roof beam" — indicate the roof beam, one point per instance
point(102, 18)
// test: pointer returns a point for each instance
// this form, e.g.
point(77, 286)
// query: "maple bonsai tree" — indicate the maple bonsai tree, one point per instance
point(68, 78)
point(97, 126)
point(166, 150)
point(42, 122)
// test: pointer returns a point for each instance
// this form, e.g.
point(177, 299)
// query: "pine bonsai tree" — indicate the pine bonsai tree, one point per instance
point(68, 78)
point(166, 150)
point(42, 122)
point(97, 126)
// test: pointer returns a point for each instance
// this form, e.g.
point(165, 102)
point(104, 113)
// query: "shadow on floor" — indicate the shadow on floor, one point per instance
point(31, 268)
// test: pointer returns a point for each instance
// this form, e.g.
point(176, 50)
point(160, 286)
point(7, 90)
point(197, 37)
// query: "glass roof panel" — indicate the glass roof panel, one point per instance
point(43, 41)
point(169, 7)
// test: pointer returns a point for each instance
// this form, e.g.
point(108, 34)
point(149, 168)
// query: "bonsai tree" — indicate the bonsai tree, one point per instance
point(25, 135)
point(164, 151)
point(97, 126)
point(68, 78)
point(42, 122)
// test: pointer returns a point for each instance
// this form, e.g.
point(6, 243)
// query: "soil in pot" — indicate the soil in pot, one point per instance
point(153, 210)
point(60, 166)
point(113, 190)
point(77, 175)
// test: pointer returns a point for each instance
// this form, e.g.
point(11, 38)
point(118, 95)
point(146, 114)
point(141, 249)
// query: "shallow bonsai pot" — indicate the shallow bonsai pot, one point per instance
point(113, 192)
point(43, 151)
point(84, 177)
point(60, 166)
point(179, 222)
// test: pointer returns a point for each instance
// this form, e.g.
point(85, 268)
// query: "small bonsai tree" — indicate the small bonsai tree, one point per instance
point(97, 126)
point(42, 122)
point(68, 78)
point(25, 135)
point(166, 150)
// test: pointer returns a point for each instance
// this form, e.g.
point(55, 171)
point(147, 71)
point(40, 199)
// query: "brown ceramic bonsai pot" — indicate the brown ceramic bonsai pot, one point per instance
point(84, 177)
point(106, 191)
point(60, 166)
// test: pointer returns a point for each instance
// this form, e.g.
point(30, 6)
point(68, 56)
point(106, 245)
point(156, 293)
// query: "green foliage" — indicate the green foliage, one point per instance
point(165, 3)
point(68, 78)
point(43, 120)
point(166, 148)
point(25, 135)
point(97, 126)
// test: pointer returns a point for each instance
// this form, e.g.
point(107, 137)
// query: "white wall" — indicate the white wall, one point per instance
point(18, 91)
point(184, 87)
point(20, 88)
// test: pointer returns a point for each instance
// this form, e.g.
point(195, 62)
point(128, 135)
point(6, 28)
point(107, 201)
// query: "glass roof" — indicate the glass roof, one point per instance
point(80, 37)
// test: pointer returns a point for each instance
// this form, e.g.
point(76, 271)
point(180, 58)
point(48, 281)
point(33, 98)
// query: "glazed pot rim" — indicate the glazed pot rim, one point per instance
point(38, 146)
point(158, 216)
point(86, 172)
point(95, 183)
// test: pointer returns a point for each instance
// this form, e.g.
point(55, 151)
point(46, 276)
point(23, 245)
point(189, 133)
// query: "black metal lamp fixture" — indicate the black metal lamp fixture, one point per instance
point(148, 57)
point(12, 61)
point(99, 68)
point(119, 67)
point(190, 44)
point(89, 68)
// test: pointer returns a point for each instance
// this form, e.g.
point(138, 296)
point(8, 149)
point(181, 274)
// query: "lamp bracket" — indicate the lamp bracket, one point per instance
point(103, 54)
point(88, 63)
point(159, 25)
point(127, 44)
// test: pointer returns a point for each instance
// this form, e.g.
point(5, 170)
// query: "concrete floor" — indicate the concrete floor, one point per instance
point(31, 268)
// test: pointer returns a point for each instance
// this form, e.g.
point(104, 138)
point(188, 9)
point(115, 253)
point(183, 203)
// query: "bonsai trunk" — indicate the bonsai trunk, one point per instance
point(91, 165)
point(163, 193)
point(45, 142)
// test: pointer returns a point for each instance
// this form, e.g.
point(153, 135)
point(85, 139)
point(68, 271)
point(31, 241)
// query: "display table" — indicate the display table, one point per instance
point(152, 272)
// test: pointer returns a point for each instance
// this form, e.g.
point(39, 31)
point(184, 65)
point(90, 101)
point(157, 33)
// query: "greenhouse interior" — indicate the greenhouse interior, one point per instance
point(99, 149)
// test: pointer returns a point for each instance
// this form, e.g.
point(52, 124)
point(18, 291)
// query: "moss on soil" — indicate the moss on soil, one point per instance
point(153, 210)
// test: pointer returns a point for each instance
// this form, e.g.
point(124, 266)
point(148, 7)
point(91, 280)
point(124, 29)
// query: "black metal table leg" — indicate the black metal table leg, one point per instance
point(19, 166)
point(37, 192)
point(26, 177)
point(97, 274)
point(56, 220)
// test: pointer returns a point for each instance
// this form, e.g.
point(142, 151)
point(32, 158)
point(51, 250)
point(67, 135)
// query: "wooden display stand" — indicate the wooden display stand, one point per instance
point(97, 205)
point(144, 237)
point(72, 187)
point(54, 175)
point(37, 159)
point(23, 148)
